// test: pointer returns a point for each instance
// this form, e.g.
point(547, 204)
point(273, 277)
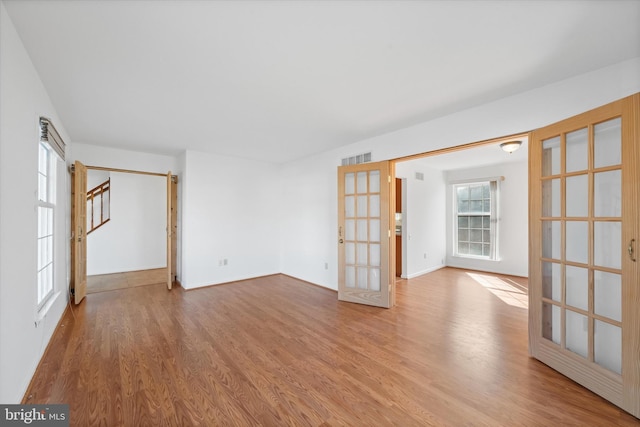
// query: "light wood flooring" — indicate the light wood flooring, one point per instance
point(277, 351)
point(129, 279)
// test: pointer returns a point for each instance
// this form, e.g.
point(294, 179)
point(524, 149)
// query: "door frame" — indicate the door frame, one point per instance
point(447, 150)
point(391, 259)
point(171, 211)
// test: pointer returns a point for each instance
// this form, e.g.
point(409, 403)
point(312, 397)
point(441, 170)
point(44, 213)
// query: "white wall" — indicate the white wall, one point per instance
point(135, 237)
point(309, 237)
point(95, 178)
point(424, 238)
point(513, 221)
point(230, 211)
point(22, 100)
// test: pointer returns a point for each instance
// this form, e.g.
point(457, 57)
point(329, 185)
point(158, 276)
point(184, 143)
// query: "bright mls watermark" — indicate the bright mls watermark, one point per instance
point(34, 415)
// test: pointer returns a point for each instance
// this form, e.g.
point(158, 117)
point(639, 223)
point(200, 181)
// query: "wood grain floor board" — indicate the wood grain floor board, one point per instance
point(277, 351)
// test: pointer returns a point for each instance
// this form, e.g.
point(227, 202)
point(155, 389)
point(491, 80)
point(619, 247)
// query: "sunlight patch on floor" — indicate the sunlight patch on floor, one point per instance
point(510, 293)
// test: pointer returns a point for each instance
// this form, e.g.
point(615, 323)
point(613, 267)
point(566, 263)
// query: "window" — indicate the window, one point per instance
point(46, 225)
point(476, 219)
point(50, 155)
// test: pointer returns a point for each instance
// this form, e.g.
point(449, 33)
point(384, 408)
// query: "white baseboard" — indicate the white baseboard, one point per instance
point(420, 273)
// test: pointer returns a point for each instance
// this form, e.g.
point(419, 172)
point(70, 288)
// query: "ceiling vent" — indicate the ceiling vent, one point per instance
point(419, 176)
point(356, 160)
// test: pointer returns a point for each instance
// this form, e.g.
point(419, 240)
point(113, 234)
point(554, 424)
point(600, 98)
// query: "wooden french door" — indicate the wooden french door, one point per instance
point(169, 233)
point(584, 289)
point(364, 234)
point(79, 232)
point(174, 228)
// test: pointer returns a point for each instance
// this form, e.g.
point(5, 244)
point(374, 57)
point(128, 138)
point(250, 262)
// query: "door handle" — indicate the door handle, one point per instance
point(340, 241)
point(631, 250)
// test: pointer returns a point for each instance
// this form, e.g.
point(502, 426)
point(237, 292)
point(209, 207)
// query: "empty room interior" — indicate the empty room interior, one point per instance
point(321, 213)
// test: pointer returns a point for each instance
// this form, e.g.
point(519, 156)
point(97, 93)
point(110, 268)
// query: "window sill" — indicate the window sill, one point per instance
point(42, 312)
point(479, 258)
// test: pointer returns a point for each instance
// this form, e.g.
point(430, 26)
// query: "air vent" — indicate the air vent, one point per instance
point(356, 160)
point(420, 176)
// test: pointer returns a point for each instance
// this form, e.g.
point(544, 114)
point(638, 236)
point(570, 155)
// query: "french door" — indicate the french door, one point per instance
point(584, 296)
point(79, 232)
point(364, 234)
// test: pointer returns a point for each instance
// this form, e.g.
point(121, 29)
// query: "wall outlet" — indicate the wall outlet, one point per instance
point(223, 262)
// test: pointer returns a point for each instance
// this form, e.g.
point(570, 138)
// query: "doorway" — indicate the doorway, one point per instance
point(430, 232)
point(136, 243)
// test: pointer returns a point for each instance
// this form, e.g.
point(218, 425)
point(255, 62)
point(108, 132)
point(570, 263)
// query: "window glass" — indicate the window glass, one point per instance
point(475, 216)
point(46, 213)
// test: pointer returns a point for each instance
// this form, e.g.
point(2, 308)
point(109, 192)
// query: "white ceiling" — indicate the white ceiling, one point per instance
point(279, 80)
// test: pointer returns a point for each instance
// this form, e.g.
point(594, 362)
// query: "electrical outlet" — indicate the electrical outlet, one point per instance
point(226, 261)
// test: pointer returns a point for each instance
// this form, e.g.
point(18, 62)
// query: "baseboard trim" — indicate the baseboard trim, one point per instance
point(423, 272)
point(27, 394)
point(308, 282)
point(229, 282)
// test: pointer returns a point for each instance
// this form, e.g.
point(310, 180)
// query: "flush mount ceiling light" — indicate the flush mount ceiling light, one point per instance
point(510, 146)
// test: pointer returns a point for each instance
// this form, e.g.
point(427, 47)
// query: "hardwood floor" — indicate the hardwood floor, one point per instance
point(128, 279)
point(277, 351)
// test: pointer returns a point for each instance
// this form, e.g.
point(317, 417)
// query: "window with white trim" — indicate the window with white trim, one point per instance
point(476, 224)
point(46, 224)
point(51, 150)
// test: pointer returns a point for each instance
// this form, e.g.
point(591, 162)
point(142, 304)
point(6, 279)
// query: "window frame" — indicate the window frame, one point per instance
point(46, 223)
point(492, 214)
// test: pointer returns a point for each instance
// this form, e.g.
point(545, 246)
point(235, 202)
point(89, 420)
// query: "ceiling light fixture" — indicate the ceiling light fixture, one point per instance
point(510, 146)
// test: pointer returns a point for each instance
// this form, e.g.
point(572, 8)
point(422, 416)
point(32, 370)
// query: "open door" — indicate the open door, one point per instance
point(364, 234)
point(169, 233)
point(174, 228)
point(79, 233)
point(583, 269)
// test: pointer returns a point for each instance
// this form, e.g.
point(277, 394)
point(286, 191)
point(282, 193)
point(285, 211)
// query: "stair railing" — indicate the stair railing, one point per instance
point(99, 195)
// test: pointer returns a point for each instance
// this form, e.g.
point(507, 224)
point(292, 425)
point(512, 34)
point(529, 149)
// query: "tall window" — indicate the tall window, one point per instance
point(476, 219)
point(50, 151)
point(46, 211)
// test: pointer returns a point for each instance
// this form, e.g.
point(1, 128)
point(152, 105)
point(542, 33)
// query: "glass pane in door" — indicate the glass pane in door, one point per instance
point(608, 294)
point(551, 156)
point(552, 281)
point(578, 150)
point(577, 285)
point(577, 241)
point(551, 198)
point(608, 346)
point(362, 225)
point(607, 142)
point(551, 328)
point(607, 242)
point(577, 196)
point(577, 337)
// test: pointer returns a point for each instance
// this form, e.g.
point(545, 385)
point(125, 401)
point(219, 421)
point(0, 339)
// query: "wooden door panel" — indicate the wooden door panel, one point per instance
point(79, 234)
point(169, 277)
point(364, 234)
point(583, 293)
